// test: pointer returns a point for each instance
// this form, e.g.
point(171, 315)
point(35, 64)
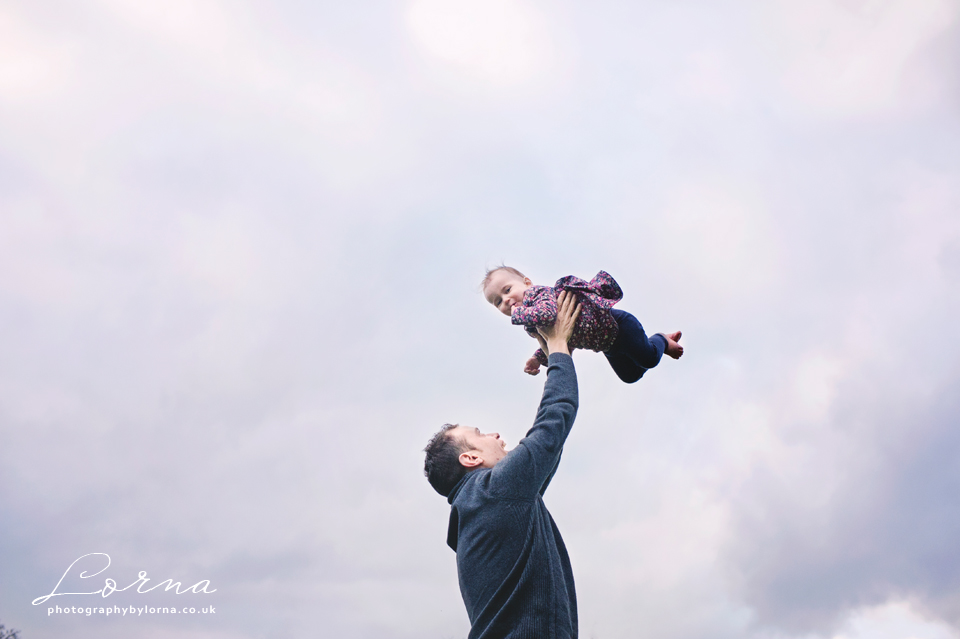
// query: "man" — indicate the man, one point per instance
point(515, 574)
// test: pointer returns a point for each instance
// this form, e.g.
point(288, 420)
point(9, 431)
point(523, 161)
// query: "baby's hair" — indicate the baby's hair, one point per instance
point(502, 267)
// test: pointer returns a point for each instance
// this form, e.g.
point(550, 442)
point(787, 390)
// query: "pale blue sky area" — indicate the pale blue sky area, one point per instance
point(240, 250)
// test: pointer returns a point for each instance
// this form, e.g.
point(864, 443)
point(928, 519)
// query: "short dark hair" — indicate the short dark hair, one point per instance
point(442, 465)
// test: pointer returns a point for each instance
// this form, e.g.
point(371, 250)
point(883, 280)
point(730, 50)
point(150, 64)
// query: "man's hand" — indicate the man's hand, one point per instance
point(557, 336)
point(532, 367)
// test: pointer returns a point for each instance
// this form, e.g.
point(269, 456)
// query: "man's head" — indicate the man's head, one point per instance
point(504, 287)
point(455, 451)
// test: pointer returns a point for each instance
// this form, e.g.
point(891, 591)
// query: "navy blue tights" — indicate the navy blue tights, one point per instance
point(633, 353)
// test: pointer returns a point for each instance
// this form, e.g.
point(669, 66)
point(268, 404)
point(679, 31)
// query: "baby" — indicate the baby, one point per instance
point(600, 327)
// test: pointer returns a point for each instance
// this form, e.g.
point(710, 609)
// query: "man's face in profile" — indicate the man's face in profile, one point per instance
point(483, 450)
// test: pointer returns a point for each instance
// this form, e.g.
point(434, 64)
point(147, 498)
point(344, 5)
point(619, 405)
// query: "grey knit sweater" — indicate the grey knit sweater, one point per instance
point(515, 574)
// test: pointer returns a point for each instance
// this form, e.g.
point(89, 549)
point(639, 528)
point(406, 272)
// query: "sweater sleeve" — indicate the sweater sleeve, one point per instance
point(527, 469)
point(553, 472)
point(541, 357)
point(540, 311)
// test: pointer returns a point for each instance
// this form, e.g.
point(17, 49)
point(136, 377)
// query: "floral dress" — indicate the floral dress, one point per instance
point(596, 329)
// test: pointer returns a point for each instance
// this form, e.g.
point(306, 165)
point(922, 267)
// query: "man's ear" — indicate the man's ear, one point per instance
point(470, 459)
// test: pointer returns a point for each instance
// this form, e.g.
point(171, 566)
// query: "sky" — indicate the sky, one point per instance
point(240, 253)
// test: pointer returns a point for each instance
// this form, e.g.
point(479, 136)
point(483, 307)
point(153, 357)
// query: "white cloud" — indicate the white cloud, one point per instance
point(815, 385)
point(717, 235)
point(34, 67)
point(844, 59)
point(502, 42)
point(894, 620)
point(238, 263)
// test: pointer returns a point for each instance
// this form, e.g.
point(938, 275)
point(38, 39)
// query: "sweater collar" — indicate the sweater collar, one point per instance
point(456, 489)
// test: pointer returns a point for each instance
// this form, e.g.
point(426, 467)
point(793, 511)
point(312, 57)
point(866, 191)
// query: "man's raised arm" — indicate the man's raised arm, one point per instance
point(527, 468)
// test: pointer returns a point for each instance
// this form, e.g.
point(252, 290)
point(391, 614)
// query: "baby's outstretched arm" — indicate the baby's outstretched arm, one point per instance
point(540, 311)
point(555, 338)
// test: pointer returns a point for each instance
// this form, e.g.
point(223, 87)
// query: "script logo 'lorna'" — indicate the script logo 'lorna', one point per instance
point(110, 586)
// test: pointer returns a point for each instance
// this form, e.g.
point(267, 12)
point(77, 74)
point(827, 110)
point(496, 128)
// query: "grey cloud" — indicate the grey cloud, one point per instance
point(238, 274)
point(886, 529)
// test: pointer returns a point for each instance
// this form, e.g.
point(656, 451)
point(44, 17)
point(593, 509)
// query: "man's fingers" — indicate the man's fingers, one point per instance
point(567, 313)
point(569, 305)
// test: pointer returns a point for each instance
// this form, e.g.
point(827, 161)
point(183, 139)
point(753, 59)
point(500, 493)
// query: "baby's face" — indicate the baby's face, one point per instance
point(505, 290)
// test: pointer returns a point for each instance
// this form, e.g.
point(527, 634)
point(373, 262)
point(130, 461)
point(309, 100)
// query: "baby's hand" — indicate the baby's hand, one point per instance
point(532, 367)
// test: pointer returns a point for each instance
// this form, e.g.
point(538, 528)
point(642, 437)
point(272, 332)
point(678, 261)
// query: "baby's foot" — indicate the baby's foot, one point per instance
point(673, 349)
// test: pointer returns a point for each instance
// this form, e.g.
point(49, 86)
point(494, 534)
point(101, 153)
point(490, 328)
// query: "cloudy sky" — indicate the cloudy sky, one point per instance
point(240, 247)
